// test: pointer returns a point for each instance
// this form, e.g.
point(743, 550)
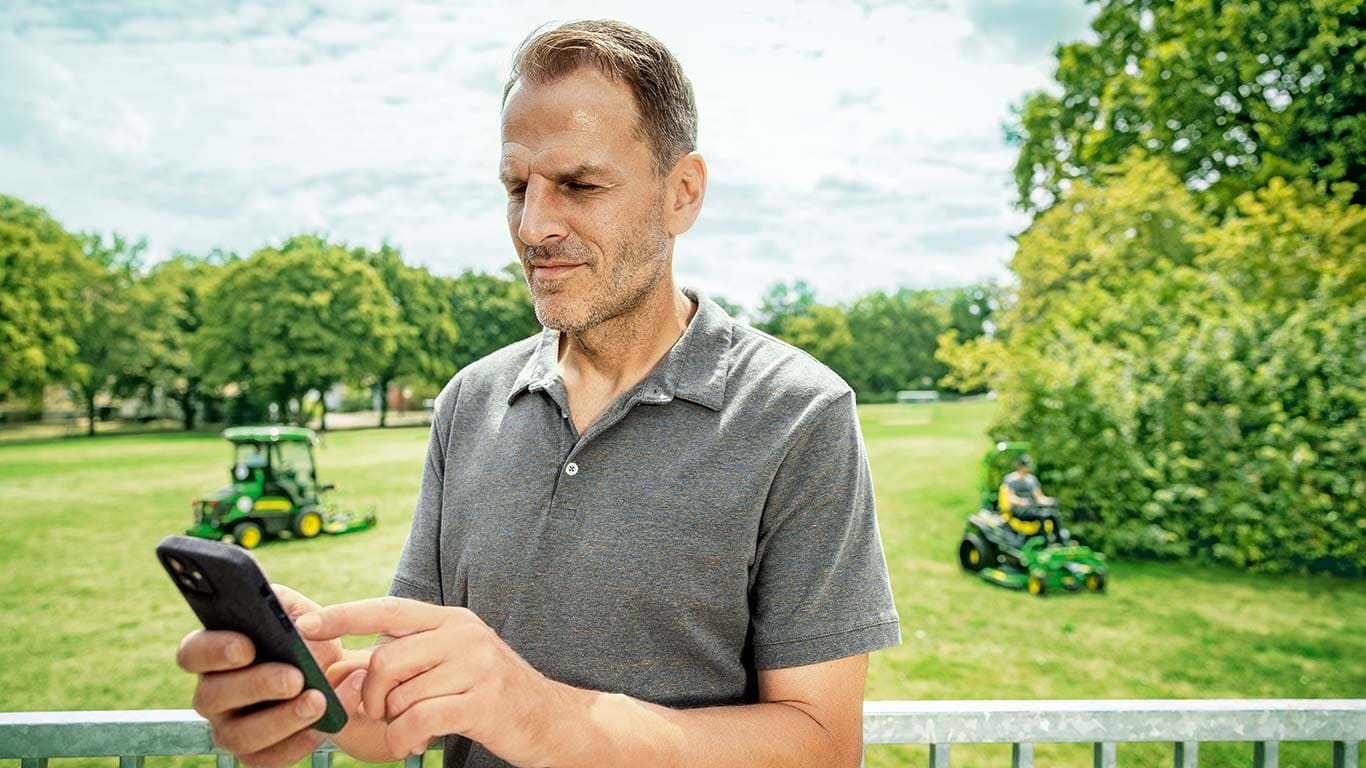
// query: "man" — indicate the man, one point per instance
point(1030, 511)
point(1024, 488)
point(644, 537)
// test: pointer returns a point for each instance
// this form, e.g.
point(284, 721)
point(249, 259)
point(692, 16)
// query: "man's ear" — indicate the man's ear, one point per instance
point(683, 192)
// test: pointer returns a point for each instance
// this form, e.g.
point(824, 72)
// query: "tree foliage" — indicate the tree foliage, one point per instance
point(1193, 385)
point(172, 306)
point(42, 270)
point(1231, 93)
point(82, 311)
point(882, 342)
point(492, 312)
point(113, 350)
point(299, 317)
point(426, 334)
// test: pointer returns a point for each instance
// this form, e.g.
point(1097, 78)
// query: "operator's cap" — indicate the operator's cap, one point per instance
point(1025, 460)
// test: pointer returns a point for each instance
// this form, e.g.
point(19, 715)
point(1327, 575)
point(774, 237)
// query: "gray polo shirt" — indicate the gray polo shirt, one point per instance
point(716, 520)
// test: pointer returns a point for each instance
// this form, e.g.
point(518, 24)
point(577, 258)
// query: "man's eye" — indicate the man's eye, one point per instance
point(517, 192)
point(579, 186)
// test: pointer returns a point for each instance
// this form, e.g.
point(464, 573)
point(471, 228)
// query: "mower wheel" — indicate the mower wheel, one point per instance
point(1037, 584)
point(1095, 582)
point(308, 525)
point(247, 534)
point(973, 554)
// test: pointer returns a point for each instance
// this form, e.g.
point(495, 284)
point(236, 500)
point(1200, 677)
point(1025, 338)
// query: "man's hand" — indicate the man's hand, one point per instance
point(275, 736)
point(445, 672)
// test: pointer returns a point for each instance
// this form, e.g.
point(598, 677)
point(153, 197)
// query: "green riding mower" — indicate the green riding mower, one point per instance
point(1024, 546)
point(274, 492)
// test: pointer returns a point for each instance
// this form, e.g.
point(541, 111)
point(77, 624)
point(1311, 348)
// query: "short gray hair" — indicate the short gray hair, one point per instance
point(664, 96)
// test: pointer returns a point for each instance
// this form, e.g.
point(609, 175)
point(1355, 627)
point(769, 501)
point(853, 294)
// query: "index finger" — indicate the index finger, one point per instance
point(295, 603)
point(393, 616)
point(204, 651)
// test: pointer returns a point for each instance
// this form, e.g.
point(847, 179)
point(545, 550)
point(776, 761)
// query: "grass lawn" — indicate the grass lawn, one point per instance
point(91, 622)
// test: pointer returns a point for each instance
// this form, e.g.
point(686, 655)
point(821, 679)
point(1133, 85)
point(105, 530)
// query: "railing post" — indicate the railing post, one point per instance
point(1345, 755)
point(1266, 754)
point(413, 761)
point(226, 761)
point(939, 756)
point(1187, 754)
point(1105, 754)
point(1021, 756)
point(33, 762)
point(321, 759)
point(130, 761)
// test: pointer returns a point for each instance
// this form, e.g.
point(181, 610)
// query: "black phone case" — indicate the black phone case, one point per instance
point(238, 598)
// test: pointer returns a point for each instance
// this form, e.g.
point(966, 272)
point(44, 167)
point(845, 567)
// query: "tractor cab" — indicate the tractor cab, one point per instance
point(282, 467)
point(273, 491)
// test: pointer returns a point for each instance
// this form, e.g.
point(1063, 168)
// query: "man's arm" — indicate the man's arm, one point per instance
point(447, 672)
point(1037, 489)
point(807, 716)
point(1016, 500)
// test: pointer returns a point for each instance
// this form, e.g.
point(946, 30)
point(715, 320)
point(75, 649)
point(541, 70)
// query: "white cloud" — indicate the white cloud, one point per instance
point(856, 147)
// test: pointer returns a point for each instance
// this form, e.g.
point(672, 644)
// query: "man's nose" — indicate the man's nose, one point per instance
point(541, 216)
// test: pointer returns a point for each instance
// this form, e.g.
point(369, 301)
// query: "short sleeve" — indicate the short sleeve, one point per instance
point(819, 586)
point(418, 575)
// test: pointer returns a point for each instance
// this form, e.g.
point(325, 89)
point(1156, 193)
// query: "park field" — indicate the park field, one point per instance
point(91, 622)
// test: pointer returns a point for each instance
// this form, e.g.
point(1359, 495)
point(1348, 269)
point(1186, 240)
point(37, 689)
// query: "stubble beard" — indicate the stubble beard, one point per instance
point(638, 264)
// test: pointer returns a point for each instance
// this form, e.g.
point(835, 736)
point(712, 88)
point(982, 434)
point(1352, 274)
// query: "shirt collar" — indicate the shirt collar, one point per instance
point(695, 369)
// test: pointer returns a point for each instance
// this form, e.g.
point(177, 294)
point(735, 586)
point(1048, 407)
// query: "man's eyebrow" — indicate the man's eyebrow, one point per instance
point(581, 170)
point(577, 172)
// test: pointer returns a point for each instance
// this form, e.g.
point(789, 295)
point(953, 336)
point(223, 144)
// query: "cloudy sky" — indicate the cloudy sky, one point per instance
point(855, 145)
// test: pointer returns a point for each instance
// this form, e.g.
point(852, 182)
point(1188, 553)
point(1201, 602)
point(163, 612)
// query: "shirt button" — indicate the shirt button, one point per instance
point(571, 469)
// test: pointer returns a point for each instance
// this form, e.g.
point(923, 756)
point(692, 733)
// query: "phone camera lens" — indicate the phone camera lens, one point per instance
point(175, 565)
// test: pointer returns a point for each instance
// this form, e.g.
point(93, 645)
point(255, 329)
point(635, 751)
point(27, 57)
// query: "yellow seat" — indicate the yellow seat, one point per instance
point(1026, 527)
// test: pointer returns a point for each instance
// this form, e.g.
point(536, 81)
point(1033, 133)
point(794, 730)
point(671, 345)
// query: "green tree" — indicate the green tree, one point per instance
point(971, 308)
point(1288, 243)
point(782, 303)
point(42, 267)
point(1231, 93)
point(492, 311)
point(112, 347)
point(1094, 263)
point(299, 317)
point(896, 334)
point(973, 365)
point(426, 336)
point(823, 332)
point(172, 302)
point(731, 308)
point(1195, 387)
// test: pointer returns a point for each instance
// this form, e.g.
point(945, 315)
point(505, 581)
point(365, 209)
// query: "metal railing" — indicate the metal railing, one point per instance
point(1105, 723)
point(34, 737)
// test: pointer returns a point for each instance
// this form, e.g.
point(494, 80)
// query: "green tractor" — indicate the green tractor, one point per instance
point(274, 492)
point(1026, 548)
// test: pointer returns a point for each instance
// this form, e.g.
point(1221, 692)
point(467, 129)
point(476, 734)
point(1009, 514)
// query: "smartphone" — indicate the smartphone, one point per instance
point(227, 591)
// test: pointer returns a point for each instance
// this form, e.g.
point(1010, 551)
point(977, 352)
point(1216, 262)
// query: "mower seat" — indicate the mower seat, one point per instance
point(1029, 520)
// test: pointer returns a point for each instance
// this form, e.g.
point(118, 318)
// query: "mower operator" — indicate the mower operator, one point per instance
point(644, 537)
point(1024, 488)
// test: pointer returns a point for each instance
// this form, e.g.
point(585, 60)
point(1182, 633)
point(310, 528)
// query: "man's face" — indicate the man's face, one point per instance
point(585, 207)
